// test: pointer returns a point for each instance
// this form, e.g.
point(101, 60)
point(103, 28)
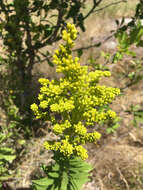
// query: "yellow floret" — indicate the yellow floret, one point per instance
point(80, 129)
point(43, 81)
point(66, 148)
point(81, 152)
point(43, 104)
point(34, 107)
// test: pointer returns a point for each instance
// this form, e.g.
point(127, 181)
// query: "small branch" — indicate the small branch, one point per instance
point(53, 37)
point(123, 178)
point(95, 4)
point(96, 44)
point(59, 21)
point(47, 58)
point(111, 4)
point(30, 48)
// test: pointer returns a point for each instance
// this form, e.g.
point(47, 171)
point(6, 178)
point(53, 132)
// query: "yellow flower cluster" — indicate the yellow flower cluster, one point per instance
point(62, 105)
point(59, 128)
point(43, 81)
point(81, 152)
point(63, 147)
point(70, 34)
point(96, 75)
point(76, 97)
point(90, 137)
point(67, 149)
point(80, 129)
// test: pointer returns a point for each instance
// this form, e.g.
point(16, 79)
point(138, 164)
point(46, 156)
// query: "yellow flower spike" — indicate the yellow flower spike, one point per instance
point(58, 129)
point(73, 102)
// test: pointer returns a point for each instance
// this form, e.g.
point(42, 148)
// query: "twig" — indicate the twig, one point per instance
point(53, 38)
point(95, 4)
point(123, 178)
point(96, 44)
point(111, 4)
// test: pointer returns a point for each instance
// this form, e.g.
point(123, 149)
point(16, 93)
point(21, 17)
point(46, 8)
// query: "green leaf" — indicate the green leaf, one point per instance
point(55, 167)
point(78, 163)
point(109, 130)
point(78, 173)
point(77, 184)
point(139, 113)
point(53, 174)
point(42, 184)
point(7, 157)
point(139, 35)
point(64, 181)
point(48, 30)
point(7, 154)
point(139, 119)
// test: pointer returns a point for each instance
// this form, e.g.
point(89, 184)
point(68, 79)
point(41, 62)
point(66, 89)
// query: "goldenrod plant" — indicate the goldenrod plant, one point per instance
point(80, 103)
